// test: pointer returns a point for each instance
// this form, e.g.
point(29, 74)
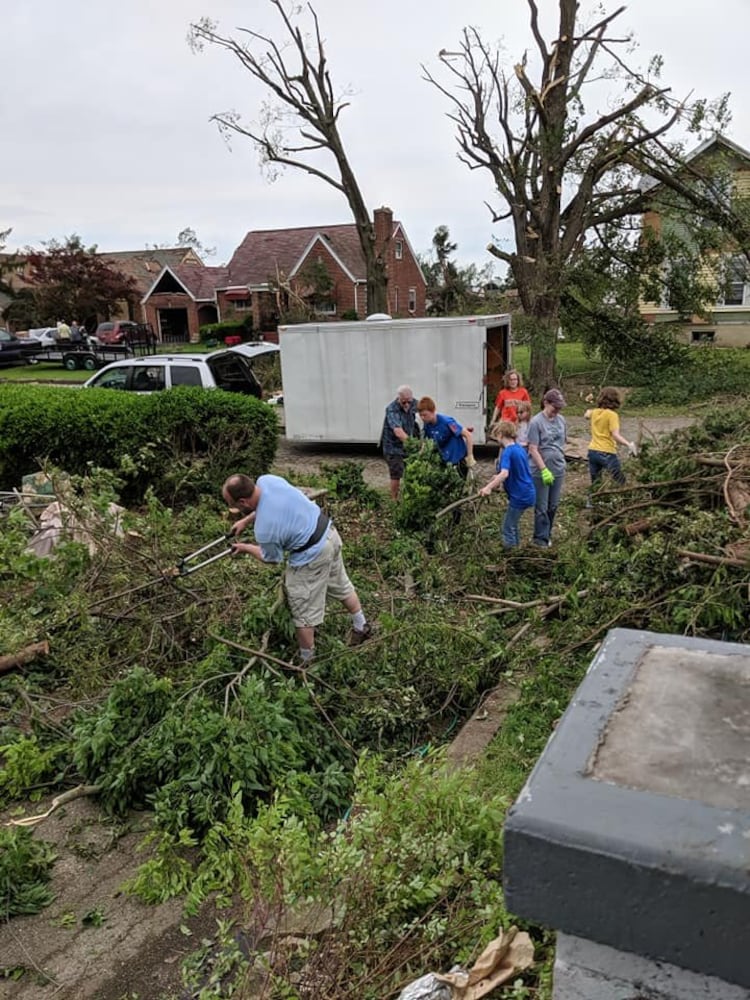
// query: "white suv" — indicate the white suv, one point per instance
point(230, 370)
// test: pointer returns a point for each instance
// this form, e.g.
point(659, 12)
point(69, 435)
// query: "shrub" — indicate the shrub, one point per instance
point(25, 866)
point(700, 373)
point(180, 443)
point(228, 327)
point(428, 486)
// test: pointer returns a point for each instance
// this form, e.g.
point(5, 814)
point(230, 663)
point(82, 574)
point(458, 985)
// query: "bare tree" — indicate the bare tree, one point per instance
point(566, 177)
point(301, 122)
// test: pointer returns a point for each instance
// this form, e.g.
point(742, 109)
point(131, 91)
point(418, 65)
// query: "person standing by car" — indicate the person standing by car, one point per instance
point(399, 424)
point(63, 332)
point(76, 337)
point(547, 435)
point(284, 520)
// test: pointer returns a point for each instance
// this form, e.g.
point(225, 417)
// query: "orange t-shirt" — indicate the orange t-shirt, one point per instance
point(507, 400)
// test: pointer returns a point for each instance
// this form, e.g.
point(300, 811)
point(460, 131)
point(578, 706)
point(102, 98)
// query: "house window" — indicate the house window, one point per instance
point(412, 300)
point(702, 336)
point(241, 305)
point(399, 250)
point(736, 291)
point(324, 308)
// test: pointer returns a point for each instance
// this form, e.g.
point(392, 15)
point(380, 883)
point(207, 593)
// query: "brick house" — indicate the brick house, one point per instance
point(321, 270)
point(143, 266)
point(727, 322)
point(181, 299)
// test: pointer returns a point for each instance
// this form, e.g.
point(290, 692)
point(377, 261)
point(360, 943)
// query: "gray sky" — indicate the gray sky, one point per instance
point(104, 114)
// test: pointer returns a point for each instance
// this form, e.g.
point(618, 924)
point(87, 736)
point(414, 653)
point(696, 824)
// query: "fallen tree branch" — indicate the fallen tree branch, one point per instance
point(458, 503)
point(26, 655)
point(713, 560)
point(79, 792)
point(521, 605)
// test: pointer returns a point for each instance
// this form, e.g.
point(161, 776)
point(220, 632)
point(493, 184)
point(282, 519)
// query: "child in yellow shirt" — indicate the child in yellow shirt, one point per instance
point(605, 436)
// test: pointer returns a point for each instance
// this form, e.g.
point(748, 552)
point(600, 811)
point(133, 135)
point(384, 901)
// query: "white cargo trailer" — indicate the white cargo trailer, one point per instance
point(339, 377)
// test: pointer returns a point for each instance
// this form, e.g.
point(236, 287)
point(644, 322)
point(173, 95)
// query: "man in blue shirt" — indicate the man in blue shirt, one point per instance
point(285, 521)
point(399, 424)
point(453, 441)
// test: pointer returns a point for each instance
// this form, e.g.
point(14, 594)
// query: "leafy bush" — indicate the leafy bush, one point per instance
point(227, 328)
point(25, 868)
point(346, 482)
point(428, 486)
point(146, 746)
point(25, 764)
point(180, 443)
point(700, 373)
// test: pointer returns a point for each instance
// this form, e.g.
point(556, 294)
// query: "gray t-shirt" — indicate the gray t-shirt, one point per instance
point(549, 435)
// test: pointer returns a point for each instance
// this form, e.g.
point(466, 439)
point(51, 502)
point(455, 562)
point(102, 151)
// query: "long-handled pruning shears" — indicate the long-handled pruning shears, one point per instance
point(186, 565)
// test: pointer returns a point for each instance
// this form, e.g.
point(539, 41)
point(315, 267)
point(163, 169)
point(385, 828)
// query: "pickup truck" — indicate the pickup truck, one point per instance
point(13, 349)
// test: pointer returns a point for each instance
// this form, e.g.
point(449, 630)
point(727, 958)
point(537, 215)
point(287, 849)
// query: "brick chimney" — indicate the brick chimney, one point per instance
point(383, 223)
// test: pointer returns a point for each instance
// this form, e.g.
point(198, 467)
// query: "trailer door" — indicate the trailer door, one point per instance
point(497, 362)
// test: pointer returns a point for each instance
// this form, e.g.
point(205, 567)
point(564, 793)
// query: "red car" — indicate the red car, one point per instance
point(123, 331)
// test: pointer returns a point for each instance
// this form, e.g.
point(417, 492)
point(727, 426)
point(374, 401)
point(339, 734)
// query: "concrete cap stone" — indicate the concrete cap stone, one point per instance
point(633, 829)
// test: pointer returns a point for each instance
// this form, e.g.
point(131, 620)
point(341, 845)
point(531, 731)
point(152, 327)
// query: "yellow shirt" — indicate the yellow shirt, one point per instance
point(603, 422)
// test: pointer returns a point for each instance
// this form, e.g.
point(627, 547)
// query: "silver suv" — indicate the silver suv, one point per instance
point(230, 370)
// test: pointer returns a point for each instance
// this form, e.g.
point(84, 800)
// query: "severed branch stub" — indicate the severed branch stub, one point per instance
point(10, 661)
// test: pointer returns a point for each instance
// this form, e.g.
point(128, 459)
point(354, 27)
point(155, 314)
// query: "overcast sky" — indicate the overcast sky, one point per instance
point(105, 131)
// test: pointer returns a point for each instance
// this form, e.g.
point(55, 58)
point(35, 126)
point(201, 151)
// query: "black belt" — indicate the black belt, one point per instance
point(320, 529)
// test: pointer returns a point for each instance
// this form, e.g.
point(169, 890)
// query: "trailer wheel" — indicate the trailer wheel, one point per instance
point(89, 363)
point(70, 362)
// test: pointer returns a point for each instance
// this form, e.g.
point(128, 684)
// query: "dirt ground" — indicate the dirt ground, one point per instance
point(96, 943)
point(306, 458)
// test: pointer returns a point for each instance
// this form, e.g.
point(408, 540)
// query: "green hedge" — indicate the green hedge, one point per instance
point(217, 331)
point(181, 443)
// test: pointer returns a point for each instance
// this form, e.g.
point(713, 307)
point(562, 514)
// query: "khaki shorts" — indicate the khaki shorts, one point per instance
point(308, 586)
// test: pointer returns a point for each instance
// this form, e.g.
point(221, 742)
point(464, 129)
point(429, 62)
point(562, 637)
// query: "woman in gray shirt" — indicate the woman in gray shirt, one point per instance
point(547, 435)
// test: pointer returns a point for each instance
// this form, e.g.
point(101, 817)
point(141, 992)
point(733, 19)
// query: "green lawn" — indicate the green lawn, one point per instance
point(43, 372)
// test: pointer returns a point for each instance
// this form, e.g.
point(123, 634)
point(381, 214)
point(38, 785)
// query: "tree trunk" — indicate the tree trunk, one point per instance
point(377, 287)
point(543, 366)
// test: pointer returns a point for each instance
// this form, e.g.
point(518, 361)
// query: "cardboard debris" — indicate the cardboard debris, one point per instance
point(511, 952)
point(57, 524)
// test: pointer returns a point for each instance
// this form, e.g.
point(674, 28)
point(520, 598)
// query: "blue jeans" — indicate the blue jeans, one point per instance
point(545, 508)
point(599, 461)
point(511, 534)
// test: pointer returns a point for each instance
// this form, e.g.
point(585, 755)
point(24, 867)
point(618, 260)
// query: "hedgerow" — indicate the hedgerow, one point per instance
point(179, 443)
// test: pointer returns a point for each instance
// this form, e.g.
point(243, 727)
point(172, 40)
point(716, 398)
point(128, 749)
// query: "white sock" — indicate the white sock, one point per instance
point(306, 654)
point(359, 621)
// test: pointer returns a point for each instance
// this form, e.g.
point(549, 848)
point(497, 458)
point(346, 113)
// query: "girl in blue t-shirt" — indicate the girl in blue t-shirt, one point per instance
point(514, 473)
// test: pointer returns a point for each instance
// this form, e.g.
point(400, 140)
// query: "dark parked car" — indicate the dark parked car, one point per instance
point(124, 331)
point(12, 349)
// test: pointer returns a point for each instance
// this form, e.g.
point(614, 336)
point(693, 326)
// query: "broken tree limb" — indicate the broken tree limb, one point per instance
point(10, 661)
point(458, 503)
point(75, 793)
point(713, 560)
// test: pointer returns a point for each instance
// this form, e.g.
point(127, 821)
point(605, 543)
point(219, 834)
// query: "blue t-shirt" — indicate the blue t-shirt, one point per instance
point(284, 520)
point(446, 433)
point(519, 485)
point(397, 417)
